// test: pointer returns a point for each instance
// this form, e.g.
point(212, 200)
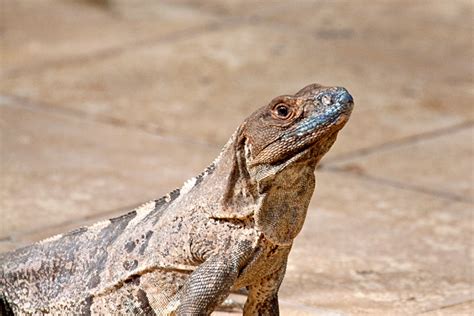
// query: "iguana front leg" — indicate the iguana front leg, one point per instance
point(210, 283)
point(263, 295)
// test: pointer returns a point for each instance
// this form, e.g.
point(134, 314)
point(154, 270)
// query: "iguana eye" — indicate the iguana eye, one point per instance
point(282, 111)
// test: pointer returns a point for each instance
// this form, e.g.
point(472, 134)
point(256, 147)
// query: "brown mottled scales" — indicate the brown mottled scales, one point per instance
point(229, 228)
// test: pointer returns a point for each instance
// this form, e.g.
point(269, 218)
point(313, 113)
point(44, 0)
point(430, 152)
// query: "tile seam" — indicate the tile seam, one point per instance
point(400, 185)
point(33, 105)
point(117, 50)
point(399, 143)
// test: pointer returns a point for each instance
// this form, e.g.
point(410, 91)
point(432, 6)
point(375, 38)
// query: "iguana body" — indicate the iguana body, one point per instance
point(231, 227)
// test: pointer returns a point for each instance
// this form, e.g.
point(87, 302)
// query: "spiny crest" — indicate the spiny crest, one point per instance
point(193, 182)
point(150, 208)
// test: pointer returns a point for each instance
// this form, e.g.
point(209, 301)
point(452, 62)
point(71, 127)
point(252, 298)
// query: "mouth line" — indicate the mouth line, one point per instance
point(312, 125)
point(312, 143)
point(304, 153)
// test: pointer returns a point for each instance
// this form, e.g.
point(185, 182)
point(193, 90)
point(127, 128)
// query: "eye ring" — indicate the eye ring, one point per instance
point(282, 111)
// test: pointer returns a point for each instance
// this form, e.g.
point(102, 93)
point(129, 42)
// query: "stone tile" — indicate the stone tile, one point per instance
point(441, 164)
point(58, 171)
point(374, 127)
point(395, 48)
point(38, 33)
point(223, 75)
point(372, 249)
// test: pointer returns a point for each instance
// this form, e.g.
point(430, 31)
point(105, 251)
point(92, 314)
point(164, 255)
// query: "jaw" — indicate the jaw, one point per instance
point(308, 155)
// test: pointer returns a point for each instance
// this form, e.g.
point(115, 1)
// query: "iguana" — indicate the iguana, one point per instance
point(229, 228)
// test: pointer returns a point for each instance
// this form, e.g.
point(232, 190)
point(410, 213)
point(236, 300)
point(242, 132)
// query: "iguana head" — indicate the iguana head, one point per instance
point(268, 170)
point(294, 126)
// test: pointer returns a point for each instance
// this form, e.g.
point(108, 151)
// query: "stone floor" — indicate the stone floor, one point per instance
point(106, 104)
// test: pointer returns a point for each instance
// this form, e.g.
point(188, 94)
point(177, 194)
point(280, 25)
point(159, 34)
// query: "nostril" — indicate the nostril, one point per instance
point(344, 97)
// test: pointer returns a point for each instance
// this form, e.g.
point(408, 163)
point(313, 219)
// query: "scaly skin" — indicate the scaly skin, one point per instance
point(229, 228)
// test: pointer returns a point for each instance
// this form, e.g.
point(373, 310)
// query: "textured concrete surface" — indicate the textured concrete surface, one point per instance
point(60, 169)
point(106, 104)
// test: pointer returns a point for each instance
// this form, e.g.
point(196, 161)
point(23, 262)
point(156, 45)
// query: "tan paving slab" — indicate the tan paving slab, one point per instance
point(59, 171)
point(37, 34)
point(221, 76)
point(372, 249)
point(396, 46)
point(442, 164)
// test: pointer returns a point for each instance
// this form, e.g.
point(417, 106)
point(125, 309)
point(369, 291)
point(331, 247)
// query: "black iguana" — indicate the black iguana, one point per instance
point(229, 228)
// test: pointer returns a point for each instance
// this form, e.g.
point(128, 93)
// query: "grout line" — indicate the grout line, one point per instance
point(397, 143)
point(6, 238)
point(450, 302)
point(133, 45)
point(274, 8)
point(112, 51)
point(400, 185)
point(223, 21)
point(21, 102)
point(310, 309)
point(77, 222)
